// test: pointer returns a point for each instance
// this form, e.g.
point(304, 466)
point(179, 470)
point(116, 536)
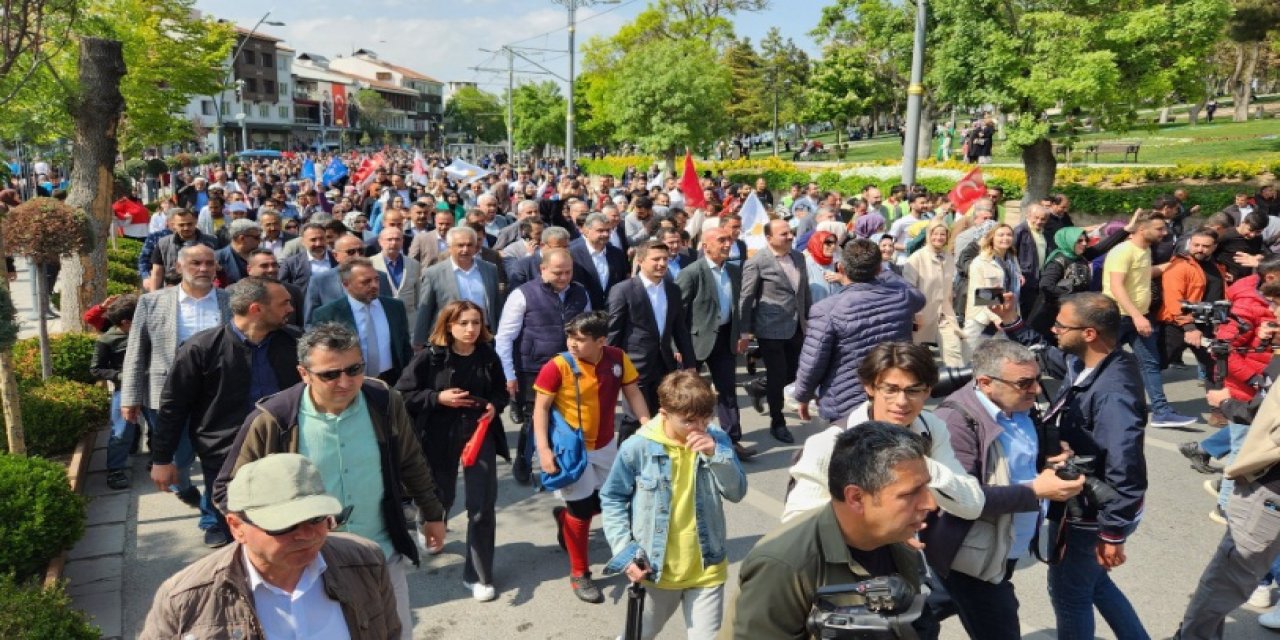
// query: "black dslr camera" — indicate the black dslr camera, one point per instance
point(1096, 491)
point(1208, 316)
point(892, 604)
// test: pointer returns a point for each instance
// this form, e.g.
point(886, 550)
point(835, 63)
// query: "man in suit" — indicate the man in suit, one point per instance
point(709, 291)
point(598, 265)
point(461, 276)
point(403, 273)
point(732, 224)
point(427, 247)
point(486, 252)
point(264, 264)
point(773, 309)
point(298, 269)
point(646, 319)
point(529, 268)
point(327, 287)
point(510, 234)
point(233, 259)
point(164, 320)
point(527, 244)
point(273, 237)
point(677, 258)
point(380, 321)
point(618, 236)
point(165, 256)
point(394, 219)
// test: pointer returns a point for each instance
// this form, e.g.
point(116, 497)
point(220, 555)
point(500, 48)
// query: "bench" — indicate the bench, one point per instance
point(1127, 148)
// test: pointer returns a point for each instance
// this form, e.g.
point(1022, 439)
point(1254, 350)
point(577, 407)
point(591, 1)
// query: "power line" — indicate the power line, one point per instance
point(588, 18)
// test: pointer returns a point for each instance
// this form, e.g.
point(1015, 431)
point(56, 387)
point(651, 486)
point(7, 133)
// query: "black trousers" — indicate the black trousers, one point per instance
point(781, 359)
point(987, 611)
point(1175, 341)
point(480, 482)
point(722, 364)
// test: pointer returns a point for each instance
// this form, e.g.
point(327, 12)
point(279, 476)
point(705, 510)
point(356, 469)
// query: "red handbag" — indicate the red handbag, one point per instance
point(472, 450)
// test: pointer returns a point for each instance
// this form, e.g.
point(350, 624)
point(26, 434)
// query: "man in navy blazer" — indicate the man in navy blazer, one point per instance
point(298, 268)
point(598, 265)
point(646, 319)
point(385, 342)
point(327, 286)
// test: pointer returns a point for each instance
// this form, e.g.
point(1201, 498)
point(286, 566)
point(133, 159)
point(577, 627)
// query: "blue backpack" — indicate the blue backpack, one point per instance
point(566, 442)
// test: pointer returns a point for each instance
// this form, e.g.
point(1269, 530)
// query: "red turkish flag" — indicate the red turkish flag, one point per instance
point(967, 191)
point(689, 186)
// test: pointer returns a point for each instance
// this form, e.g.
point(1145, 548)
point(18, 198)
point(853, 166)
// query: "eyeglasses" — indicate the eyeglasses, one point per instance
point(353, 371)
point(1058, 326)
point(829, 241)
point(913, 392)
point(352, 252)
point(330, 522)
point(1024, 384)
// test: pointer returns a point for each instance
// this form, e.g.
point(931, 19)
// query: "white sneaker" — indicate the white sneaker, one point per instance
point(480, 592)
point(1261, 597)
point(1271, 619)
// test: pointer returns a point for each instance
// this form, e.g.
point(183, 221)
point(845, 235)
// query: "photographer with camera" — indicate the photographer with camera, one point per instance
point(997, 440)
point(878, 485)
point(1191, 276)
point(1101, 412)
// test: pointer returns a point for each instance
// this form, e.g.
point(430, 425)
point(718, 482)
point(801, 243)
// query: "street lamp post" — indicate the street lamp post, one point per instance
point(915, 95)
point(226, 80)
point(572, 6)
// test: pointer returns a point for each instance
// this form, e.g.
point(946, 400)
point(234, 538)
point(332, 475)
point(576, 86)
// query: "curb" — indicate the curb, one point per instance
point(77, 469)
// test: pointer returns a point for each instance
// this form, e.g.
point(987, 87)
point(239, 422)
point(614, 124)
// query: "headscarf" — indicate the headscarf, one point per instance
point(815, 247)
point(868, 225)
point(349, 220)
point(1065, 240)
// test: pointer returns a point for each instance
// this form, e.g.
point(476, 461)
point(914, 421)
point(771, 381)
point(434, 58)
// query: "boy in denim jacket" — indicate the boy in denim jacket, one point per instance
point(663, 499)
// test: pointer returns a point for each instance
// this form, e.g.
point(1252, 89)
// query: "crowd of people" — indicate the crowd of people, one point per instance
point(335, 356)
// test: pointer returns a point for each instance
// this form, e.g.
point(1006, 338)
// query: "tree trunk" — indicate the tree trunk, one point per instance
point(1041, 166)
point(41, 281)
point(669, 157)
point(1164, 115)
point(97, 115)
point(8, 383)
point(1246, 63)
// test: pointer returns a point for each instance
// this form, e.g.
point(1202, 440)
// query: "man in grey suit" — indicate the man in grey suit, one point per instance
point(164, 320)
point(327, 286)
point(428, 247)
point(462, 276)
point(709, 290)
point(404, 274)
point(379, 320)
point(298, 268)
point(511, 234)
point(774, 306)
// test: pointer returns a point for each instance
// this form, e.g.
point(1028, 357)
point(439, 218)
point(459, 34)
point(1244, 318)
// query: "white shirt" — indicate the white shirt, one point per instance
point(471, 285)
point(602, 265)
point(196, 314)
point(381, 329)
point(658, 300)
point(319, 266)
point(306, 612)
point(510, 323)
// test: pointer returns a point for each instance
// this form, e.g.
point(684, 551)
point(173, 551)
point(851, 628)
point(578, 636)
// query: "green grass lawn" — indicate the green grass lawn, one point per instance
point(1173, 143)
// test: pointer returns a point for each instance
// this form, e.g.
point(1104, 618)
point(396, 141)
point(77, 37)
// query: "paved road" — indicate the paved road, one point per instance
point(534, 601)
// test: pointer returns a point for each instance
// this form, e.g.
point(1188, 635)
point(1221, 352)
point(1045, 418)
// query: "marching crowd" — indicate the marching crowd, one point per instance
point(335, 356)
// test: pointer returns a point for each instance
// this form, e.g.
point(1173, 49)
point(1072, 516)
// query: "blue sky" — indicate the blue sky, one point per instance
point(442, 39)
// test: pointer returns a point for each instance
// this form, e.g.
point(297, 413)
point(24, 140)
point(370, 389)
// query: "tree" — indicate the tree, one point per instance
point(35, 32)
point(673, 96)
point(477, 114)
point(1248, 30)
point(373, 111)
point(786, 75)
point(746, 109)
point(539, 112)
point(840, 88)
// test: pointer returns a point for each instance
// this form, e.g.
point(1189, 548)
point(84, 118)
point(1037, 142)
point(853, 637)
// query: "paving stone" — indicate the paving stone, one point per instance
point(100, 442)
point(105, 610)
point(110, 508)
point(99, 541)
point(96, 575)
point(98, 460)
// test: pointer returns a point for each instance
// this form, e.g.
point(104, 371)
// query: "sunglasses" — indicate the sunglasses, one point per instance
point(830, 241)
point(333, 522)
point(353, 371)
point(352, 252)
point(1023, 384)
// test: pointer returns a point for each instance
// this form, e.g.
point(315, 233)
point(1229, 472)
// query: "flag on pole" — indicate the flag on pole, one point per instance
point(690, 187)
point(336, 171)
point(465, 171)
point(754, 218)
point(967, 191)
point(419, 168)
point(308, 170)
point(368, 168)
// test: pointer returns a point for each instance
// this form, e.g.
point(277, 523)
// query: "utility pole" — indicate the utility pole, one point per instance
point(512, 54)
point(511, 113)
point(775, 109)
point(572, 6)
point(915, 95)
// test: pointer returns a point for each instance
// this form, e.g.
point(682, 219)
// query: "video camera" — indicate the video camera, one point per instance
point(891, 605)
point(1208, 316)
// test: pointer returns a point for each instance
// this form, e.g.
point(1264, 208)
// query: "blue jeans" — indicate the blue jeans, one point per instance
point(1236, 434)
point(1147, 349)
point(1217, 445)
point(121, 440)
point(1078, 583)
point(183, 458)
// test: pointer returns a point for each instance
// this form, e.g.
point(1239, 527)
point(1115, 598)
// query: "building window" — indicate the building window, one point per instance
point(268, 59)
point(264, 111)
point(284, 89)
point(251, 85)
point(248, 56)
point(284, 113)
point(226, 108)
point(206, 107)
point(384, 76)
point(269, 87)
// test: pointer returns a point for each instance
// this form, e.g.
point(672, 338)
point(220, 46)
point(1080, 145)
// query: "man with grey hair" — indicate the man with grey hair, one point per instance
point(510, 234)
point(404, 274)
point(996, 439)
point(217, 376)
point(360, 437)
point(461, 277)
point(233, 259)
point(380, 320)
point(1032, 247)
point(598, 265)
point(327, 287)
point(880, 498)
point(494, 221)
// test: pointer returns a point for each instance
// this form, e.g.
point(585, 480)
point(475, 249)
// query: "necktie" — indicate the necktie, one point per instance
point(372, 363)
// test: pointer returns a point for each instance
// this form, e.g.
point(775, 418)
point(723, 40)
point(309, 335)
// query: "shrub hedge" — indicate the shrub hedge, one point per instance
point(122, 273)
point(71, 352)
point(58, 412)
point(40, 516)
point(35, 613)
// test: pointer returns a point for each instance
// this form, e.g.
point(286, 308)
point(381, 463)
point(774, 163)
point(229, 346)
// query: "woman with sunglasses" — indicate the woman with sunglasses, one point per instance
point(448, 388)
point(898, 377)
point(820, 259)
point(1067, 270)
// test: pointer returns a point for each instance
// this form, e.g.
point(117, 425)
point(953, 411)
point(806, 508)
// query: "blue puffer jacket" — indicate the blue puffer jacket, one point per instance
point(842, 329)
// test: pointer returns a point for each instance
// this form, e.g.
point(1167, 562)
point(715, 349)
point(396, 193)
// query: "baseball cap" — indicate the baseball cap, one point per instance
point(279, 491)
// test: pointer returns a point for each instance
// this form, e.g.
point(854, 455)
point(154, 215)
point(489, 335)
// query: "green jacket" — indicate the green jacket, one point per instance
point(780, 576)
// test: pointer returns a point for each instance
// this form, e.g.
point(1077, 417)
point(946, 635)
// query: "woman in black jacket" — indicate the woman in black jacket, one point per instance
point(448, 387)
point(1068, 269)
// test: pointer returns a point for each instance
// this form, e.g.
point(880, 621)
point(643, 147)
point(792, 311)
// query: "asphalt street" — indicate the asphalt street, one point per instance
point(1165, 556)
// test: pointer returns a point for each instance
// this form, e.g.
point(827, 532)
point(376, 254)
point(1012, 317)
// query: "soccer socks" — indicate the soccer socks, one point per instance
point(576, 532)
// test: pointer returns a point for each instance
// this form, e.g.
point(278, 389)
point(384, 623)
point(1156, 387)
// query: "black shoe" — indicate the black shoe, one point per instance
point(522, 469)
point(756, 389)
point(744, 452)
point(557, 514)
point(585, 588)
point(215, 537)
point(190, 497)
point(782, 434)
point(753, 354)
point(118, 480)
point(1198, 456)
point(517, 412)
